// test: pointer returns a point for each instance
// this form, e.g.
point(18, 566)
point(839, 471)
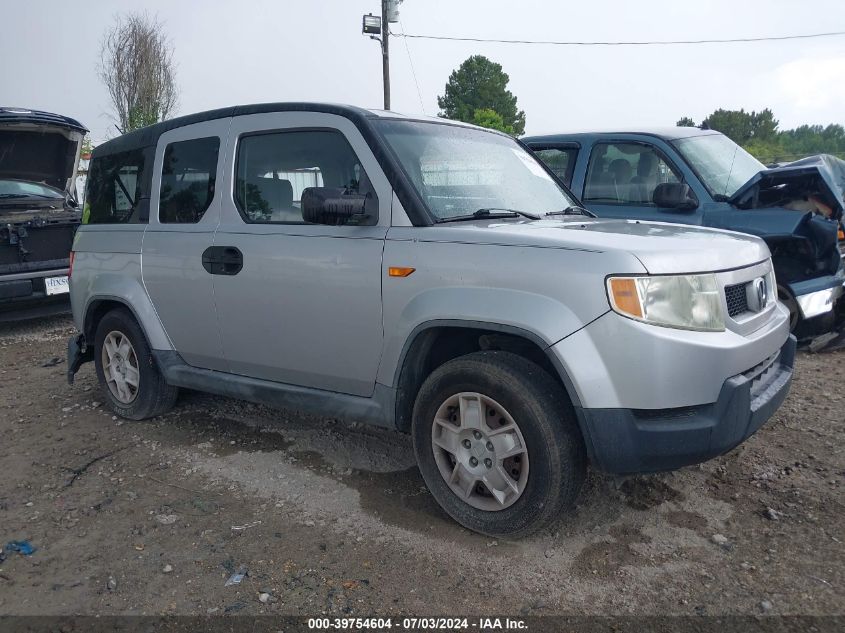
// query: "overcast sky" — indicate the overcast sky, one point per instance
point(249, 51)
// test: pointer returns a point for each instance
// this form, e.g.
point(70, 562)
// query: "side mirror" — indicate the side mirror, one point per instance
point(332, 205)
point(674, 195)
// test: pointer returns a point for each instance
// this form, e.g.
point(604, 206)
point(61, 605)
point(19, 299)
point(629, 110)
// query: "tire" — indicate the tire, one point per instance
point(151, 396)
point(513, 392)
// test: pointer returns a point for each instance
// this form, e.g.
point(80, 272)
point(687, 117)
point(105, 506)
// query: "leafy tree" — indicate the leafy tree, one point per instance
point(742, 126)
point(767, 150)
point(685, 121)
point(764, 125)
point(87, 146)
point(815, 139)
point(489, 118)
point(735, 124)
point(480, 84)
point(758, 133)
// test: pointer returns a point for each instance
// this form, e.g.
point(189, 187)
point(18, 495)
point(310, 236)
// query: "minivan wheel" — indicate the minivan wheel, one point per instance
point(127, 371)
point(497, 443)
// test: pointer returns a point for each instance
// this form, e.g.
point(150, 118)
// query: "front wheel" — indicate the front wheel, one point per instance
point(497, 443)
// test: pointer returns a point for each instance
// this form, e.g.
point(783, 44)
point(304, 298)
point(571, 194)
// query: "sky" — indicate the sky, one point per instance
point(252, 51)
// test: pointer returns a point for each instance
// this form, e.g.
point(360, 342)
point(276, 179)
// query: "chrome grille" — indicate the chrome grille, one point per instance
point(737, 299)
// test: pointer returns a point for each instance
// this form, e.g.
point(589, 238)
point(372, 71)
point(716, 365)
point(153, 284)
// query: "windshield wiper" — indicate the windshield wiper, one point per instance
point(573, 210)
point(489, 213)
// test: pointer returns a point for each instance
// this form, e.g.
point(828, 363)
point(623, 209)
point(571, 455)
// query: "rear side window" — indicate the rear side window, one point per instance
point(560, 161)
point(188, 176)
point(114, 188)
point(274, 168)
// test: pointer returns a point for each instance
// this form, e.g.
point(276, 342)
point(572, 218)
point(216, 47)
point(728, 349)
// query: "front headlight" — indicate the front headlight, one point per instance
point(690, 302)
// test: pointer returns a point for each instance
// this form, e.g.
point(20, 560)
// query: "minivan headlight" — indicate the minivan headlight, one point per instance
point(690, 302)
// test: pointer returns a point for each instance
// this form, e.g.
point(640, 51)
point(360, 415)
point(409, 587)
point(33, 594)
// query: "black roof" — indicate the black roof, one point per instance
point(148, 136)
point(24, 115)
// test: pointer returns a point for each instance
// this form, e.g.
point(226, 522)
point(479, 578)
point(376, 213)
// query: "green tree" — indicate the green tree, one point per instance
point(87, 146)
point(480, 84)
point(764, 125)
point(489, 118)
point(742, 126)
point(685, 121)
point(815, 139)
point(735, 124)
point(758, 133)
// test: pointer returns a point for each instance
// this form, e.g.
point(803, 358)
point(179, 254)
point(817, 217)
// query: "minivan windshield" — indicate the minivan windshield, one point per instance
point(722, 165)
point(460, 171)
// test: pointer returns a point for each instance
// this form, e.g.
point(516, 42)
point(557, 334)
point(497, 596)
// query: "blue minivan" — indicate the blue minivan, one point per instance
point(693, 176)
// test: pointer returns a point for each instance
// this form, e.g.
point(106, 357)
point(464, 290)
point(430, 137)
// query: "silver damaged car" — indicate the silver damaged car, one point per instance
point(430, 277)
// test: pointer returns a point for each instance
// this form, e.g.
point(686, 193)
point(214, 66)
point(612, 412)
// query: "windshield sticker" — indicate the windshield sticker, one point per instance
point(533, 166)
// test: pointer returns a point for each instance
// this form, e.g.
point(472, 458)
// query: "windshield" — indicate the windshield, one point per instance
point(722, 165)
point(24, 189)
point(457, 171)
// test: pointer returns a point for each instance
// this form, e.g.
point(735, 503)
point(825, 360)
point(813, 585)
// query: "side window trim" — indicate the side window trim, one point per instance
point(617, 141)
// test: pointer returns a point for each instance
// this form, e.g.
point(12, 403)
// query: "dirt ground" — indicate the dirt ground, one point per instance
point(333, 518)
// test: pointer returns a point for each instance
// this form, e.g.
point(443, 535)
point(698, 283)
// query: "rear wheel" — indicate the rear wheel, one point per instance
point(497, 443)
point(127, 371)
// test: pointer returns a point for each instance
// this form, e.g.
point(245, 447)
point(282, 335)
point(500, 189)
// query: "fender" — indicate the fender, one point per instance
point(125, 287)
point(539, 318)
point(515, 331)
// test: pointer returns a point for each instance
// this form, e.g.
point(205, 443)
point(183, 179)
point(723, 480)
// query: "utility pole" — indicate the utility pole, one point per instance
point(378, 28)
point(385, 53)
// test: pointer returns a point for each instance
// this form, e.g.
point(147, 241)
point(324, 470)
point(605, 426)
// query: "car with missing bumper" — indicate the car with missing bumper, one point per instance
point(39, 154)
point(430, 277)
point(689, 175)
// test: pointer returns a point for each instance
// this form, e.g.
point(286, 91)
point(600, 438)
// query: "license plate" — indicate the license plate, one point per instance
point(56, 285)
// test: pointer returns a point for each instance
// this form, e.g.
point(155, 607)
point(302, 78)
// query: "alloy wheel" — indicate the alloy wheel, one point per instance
point(120, 367)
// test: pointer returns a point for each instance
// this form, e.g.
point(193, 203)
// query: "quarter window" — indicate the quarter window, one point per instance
point(273, 169)
point(114, 188)
point(188, 177)
point(561, 161)
point(626, 173)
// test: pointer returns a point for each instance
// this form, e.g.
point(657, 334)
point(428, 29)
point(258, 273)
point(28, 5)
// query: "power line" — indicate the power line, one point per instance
point(776, 38)
point(413, 71)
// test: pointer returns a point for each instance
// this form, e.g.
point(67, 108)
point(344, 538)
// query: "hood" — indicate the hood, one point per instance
point(40, 147)
point(822, 176)
point(661, 248)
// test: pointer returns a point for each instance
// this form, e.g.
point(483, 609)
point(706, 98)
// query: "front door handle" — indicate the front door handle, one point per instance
point(222, 260)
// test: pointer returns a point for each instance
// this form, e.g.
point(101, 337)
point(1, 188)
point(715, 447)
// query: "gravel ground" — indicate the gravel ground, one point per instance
point(333, 518)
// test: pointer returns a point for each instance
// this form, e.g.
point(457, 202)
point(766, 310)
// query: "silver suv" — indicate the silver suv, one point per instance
point(426, 276)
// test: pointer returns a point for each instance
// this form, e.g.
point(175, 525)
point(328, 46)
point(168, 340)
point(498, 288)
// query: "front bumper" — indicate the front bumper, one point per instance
point(626, 441)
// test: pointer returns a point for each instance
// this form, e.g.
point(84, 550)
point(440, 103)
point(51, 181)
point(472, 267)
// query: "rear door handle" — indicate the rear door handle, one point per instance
point(222, 260)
